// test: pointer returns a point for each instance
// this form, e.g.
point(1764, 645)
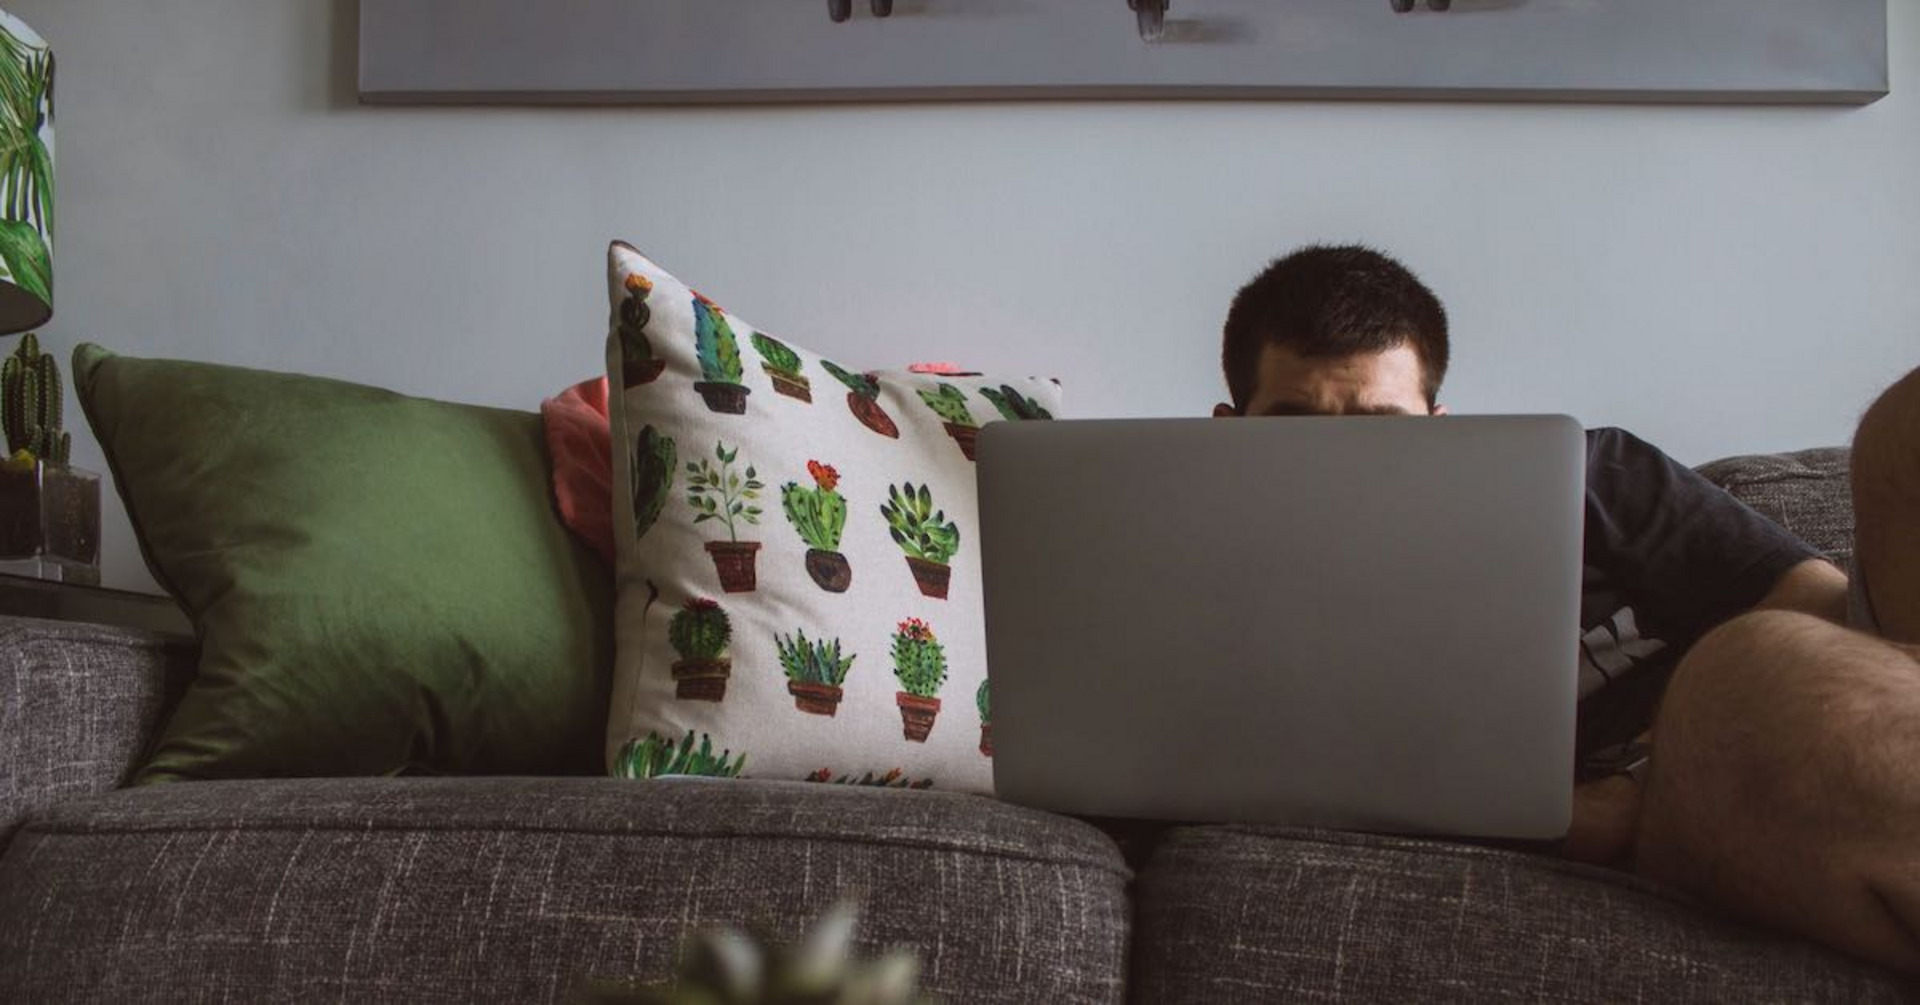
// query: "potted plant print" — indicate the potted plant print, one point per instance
point(950, 403)
point(638, 364)
point(783, 367)
point(719, 353)
point(920, 664)
point(893, 779)
point(700, 632)
point(929, 539)
point(654, 462)
point(819, 514)
point(863, 399)
point(656, 756)
point(1014, 406)
point(720, 493)
point(985, 702)
point(815, 672)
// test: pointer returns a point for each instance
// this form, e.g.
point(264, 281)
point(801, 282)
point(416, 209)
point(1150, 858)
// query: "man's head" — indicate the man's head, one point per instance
point(1335, 331)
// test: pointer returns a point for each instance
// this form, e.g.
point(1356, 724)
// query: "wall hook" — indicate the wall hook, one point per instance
point(842, 10)
point(1151, 16)
point(1403, 6)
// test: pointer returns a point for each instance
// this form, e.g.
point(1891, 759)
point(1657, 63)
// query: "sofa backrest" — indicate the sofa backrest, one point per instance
point(1809, 492)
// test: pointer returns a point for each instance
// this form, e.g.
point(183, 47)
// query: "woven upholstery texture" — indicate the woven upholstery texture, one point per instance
point(475, 890)
point(1235, 914)
point(78, 704)
point(1808, 492)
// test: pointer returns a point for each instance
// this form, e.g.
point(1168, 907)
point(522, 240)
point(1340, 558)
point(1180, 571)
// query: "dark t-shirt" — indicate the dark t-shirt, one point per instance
point(1669, 556)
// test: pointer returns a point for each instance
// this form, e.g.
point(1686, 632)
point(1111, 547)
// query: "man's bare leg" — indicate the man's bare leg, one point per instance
point(1786, 775)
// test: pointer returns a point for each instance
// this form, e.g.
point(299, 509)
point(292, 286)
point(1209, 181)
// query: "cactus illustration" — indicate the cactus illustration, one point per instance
point(984, 701)
point(638, 364)
point(950, 403)
point(893, 779)
point(925, 534)
point(815, 671)
point(720, 493)
point(654, 463)
point(1013, 405)
point(783, 367)
point(819, 514)
point(719, 354)
point(920, 665)
point(32, 407)
point(656, 756)
point(700, 632)
point(863, 399)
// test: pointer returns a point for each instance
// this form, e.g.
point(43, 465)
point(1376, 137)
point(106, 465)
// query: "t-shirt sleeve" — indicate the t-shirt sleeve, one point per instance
point(1687, 555)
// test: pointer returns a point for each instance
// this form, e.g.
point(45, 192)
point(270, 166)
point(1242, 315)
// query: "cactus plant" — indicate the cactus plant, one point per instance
point(783, 367)
point(700, 632)
point(819, 515)
point(720, 493)
point(863, 399)
point(719, 354)
point(920, 665)
point(815, 671)
point(925, 534)
point(984, 701)
point(654, 462)
point(638, 364)
point(950, 403)
point(31, 412)
point(892, 779)
point(1013, 405)
point(730, 967)
point(656, 756)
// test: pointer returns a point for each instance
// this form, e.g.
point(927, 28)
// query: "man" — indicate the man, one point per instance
point(1736, 738)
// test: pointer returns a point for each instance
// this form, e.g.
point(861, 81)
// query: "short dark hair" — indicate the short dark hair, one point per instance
point(1330, 302)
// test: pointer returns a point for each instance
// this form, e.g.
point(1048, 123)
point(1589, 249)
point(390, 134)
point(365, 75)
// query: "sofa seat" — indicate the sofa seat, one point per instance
point(510, 889)
point(1226, 914)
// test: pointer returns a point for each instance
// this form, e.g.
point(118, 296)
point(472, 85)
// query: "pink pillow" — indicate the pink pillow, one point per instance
point(581, 442)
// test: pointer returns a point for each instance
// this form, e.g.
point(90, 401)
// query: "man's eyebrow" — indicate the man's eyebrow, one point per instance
point(1292, 408)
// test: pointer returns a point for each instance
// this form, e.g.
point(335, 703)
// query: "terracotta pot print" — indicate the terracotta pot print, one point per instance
point(965, 436)
point(830, 570)
point(986, 738)
point(701, 680)
point(729, 399)
point(916, 715)
point(789, 385)
point(734, 561)
point(871, 415)
point(814, 699)
point(635, 372)
point(932, 577)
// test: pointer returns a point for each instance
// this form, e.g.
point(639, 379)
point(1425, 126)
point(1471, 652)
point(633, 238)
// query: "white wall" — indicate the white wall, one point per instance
point(1719, 279)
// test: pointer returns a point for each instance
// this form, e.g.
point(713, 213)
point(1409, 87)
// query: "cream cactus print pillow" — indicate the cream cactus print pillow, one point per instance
point(798, 555)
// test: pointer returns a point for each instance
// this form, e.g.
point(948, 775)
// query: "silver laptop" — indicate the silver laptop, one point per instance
point(1362, 623)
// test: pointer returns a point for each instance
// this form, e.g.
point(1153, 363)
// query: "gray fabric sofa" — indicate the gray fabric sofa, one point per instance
point(515, 889)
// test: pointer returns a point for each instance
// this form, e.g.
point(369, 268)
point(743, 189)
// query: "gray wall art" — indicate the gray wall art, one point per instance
point(701, 51)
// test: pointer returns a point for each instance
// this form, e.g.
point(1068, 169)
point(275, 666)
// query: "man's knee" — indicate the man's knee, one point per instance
point(1886, 448)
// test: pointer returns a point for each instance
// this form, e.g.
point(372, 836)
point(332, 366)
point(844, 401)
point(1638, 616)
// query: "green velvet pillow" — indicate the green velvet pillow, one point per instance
point(379, 583)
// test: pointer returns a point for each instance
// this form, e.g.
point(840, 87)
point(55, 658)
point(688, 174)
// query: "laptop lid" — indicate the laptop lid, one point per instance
point(1368, 623)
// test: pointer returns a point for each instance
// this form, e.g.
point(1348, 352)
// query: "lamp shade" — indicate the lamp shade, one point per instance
point(26, 177)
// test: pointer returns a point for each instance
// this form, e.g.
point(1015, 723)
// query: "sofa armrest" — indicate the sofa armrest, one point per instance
point(78, 704)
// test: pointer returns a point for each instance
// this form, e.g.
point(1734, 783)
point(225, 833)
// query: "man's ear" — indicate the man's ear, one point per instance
point(1439, 410)
point(1224, 411)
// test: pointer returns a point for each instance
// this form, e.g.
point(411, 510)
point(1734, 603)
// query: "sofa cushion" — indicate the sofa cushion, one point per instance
point(469, 890)
point(1261, 914)
point(1808, 492)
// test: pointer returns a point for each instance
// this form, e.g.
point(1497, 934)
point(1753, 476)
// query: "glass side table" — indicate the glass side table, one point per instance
point(29, 597)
